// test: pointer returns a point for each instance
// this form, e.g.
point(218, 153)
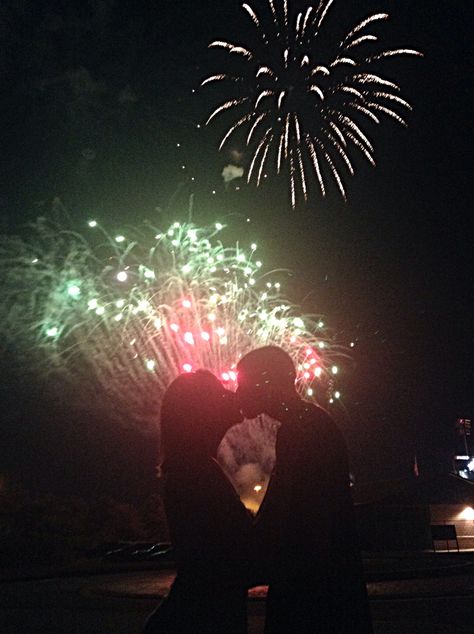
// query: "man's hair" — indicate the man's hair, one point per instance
point(271, 364)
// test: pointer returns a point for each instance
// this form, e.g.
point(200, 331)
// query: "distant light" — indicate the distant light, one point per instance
point(35, 261)
point(143, 305)
point(321, 344)
point(92, 304)
point(149, 274)
point(100, 310)
point(331, 400)
point(320, 324)
point(225, 376)
point(352, 344)
point(175, 243)
point(176, 225)
point(205, 335)
point(467, 513)
point(257, 488)
point(277, 285)
point(52, 332)
point(252, 282)
point(150, 364)
point(119, 238)
point(174, 327)
point(317, 372)
point(92, 223)
point(157, 323)
point(334, 369)
point(258, 263)
point(309, 391)
point(120, 303)
point(220, 331)
point(337, 395)
point(122, 276)
point(253, 246)
point(233, 375)
point(187, 367)
point(298, 322)
point(219, 226)
point(187, 303)
point(118, 317)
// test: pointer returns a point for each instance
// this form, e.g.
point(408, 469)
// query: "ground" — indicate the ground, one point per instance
point(438, 603)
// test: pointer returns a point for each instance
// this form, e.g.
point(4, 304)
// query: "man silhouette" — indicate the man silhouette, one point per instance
point(306, 527)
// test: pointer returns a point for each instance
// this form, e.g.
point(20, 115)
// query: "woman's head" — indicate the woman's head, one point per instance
point(195, 414)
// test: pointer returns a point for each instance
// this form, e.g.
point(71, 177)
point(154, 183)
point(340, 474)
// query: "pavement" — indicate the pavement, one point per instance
point(410, 593)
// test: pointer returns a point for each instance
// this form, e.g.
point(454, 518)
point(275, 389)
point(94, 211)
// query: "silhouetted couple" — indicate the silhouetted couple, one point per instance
point(302, 541)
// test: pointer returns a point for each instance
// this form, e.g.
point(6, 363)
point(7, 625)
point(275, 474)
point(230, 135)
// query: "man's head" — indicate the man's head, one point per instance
point(266, 377)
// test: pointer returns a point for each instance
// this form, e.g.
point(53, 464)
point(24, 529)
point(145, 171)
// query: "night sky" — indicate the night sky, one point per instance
point(96, 97)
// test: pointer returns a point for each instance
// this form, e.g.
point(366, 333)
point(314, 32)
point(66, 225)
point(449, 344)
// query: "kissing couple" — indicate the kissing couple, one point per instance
point(302, 542)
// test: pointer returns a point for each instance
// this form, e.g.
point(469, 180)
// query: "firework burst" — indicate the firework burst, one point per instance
point(118, 317)
point(304, 107)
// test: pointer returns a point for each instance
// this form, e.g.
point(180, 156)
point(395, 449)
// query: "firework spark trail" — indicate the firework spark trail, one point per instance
point(120, 316)
point(285, 79)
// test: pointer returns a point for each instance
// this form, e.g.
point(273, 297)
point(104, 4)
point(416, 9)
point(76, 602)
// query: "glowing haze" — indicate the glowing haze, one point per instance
point(118, 316)
point(302, 106)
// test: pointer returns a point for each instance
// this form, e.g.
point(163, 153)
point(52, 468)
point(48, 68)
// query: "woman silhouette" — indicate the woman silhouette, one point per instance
point(209, 526)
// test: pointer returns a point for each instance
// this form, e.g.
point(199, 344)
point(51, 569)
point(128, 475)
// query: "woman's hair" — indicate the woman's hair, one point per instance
point(191, 407)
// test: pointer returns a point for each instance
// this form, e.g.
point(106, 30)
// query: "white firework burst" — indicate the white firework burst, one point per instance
point(304, 106)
